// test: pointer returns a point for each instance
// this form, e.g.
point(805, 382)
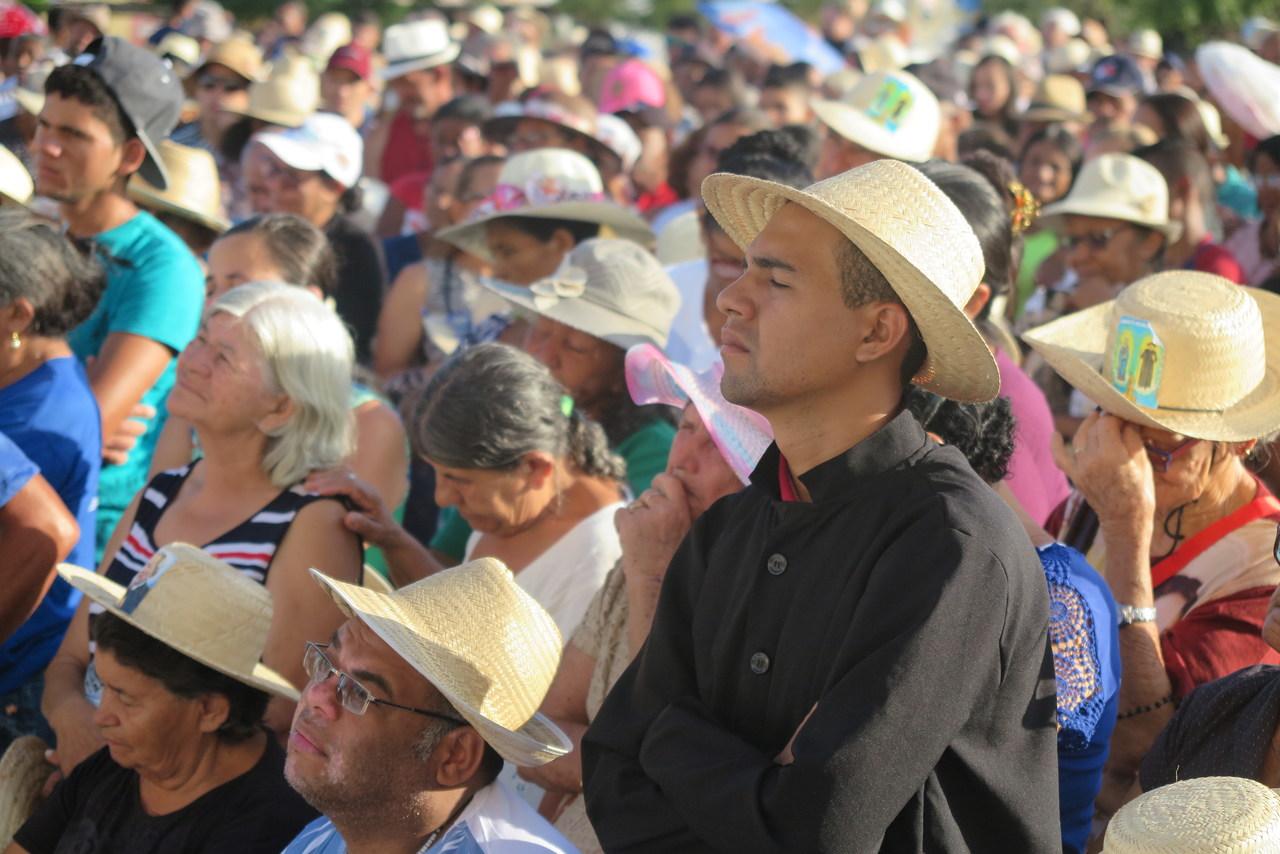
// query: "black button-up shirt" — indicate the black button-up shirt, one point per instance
point(910, 616)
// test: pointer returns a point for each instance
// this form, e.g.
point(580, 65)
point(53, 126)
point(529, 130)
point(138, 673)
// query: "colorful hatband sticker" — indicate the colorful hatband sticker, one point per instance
point(891, 103)
point(1137, 362)
point(140, 585)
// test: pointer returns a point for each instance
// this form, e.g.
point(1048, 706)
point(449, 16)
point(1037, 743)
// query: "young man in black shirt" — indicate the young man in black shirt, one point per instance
point(850, 655)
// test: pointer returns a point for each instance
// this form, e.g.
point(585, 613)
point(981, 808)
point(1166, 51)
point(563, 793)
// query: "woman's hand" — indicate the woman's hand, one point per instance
point(652, 527)
point(1111, 467)
point(370, 517)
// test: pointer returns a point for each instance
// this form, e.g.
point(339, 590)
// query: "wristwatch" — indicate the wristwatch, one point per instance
point(1130, 614)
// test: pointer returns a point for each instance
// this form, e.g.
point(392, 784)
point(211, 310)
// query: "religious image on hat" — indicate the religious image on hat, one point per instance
point(890, 113)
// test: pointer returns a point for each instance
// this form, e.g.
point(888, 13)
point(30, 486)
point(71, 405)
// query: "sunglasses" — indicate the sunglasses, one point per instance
point(226, 84)
point(1096, 241)
point(353, 696)
point(1161, 459)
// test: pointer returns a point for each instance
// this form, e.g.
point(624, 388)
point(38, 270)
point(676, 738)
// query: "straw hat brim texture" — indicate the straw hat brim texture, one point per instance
point(108, 594)
point(376, 581)
point(959, 364)
point(283, 118)
point(399, 69)
point(1075, 347)
point(538, 742)
point(1223, 815)
point(23, 772)
point(1103, 210)
point(852, 124)
point(469, 236)
point(149, 197)
point(500, 128)
point(585, 316)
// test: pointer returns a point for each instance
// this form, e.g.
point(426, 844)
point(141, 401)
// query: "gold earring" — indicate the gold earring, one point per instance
point(15, 340)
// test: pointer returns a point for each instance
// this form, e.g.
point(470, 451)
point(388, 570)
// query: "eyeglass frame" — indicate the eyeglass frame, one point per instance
point(1096, 240)
point(345, 679)
point(1162, 460)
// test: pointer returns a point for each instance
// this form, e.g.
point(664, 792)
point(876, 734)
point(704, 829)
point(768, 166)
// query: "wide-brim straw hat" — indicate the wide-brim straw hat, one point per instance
point(614, 290)
point(913, 234)
point(1203, 815)
point(194, 191)
point(1120, 187)
point(890, 113)
point(287, 96)
point(548, 183)
point(15, 180)
point(741, 435)
point(1059, 98)
point(487, 646)
point(238, 54)
point(1213, 372)
point(23, 772)
point(197, 605)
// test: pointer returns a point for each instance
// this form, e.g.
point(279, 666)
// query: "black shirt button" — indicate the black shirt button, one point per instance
point(777, 564)
point(759, 663)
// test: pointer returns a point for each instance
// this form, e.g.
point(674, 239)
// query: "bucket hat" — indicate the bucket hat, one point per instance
point(1204, 815)
point(485, 644)
point(547, 183)
point(415, 45)
point(15, 180)
point(289, 94)
point(612, 289)
point(912, 233)
point(324, 142)
point(741, 435)
point(193, 193)
point(1119, 186)
point(1187, 352)
point(890, 113)
point(199, 606)
point(1058, 98)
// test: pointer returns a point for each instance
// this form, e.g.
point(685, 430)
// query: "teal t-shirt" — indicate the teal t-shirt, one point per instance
point(155, 289)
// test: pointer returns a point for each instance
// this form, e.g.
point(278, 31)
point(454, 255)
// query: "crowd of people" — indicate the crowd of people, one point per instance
point(491, 433)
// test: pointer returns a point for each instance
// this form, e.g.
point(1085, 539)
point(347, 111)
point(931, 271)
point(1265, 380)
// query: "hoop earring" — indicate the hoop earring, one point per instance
point(15, 340)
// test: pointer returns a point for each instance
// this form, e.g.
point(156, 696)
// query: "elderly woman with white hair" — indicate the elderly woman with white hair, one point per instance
point(266, 385)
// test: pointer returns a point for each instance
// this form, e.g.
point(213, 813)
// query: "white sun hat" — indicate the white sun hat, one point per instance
point(486, 645)
point(199, 606)
point(324, 142)
point(612, 289)
point(890, 113)
point(1203, 815)
point(547, 183)
point(1182, 351)
point(1123, 187)
point(416, 45)
point(912, 233)
point(1243, 85)
point(15, 180)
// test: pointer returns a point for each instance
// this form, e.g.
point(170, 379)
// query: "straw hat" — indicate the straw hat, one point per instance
point(890, 113)
point(1058, 98)
point(415, 45)
point(199, 606)
point(547, 183)
point(1119, 186)
point(612, 289)
point(23, 772)
point(1182, 351)
point(238, 54)
point(1146, 44)
point(741, 435)
point(1205, 815)
point(375, 581)
point(912, 233)
point(194, 191)
point(287, 96)
point(484, 644)
point(15, 180)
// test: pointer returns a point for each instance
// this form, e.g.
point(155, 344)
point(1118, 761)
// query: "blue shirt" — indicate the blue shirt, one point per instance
point(155, 289)
point(52, 416)
point(15, 469)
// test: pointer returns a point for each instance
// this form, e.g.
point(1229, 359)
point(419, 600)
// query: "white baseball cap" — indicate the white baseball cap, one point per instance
point(324, 142)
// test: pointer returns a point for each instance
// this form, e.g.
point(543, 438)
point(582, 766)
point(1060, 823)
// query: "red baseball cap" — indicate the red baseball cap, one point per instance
point(354, 58)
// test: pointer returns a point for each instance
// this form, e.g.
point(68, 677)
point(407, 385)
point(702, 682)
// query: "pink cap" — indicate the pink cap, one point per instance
point(632, 85)
point(353, 58)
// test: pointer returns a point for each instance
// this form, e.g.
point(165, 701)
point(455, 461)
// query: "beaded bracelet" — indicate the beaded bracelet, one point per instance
point(1142, 710)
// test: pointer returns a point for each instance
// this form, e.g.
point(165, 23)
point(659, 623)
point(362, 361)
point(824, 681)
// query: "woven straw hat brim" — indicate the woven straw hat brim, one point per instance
point(1200, 815)
point(108, 594)
point(283, 118)
point(23, 772)
point(584, 315)
point(959, 365)
point(1075, 346)
point(150, 198)
point(399, 69)
point(538, 742)
point(499, 129)
point(1101, 209)
point(853, 125)
point(469, 236)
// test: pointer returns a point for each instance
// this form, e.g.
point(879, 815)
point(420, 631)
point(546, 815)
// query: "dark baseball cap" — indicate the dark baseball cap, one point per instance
point(146, 89)
point(1116, 75)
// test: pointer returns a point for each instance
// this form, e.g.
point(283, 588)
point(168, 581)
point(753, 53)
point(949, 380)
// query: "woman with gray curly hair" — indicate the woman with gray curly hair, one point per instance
point(266, 385)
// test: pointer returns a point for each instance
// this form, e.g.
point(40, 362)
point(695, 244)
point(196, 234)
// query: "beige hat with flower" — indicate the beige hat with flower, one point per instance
point(911, 232)
point(1182, 351)
point(1121, 187)
point(198, 605)
point(1203, 815)
point(194, 191)
point(486, 645)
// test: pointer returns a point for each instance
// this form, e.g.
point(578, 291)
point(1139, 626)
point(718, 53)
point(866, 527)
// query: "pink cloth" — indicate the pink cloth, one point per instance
point(1244, 245)
point(1034, 478)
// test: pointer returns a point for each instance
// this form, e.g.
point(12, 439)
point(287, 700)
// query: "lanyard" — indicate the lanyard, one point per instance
point(1261, 507)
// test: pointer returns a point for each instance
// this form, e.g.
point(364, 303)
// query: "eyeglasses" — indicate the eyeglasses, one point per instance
point(353, 696)
point(210, 82)
point(1096, 241)
point(1161, 459)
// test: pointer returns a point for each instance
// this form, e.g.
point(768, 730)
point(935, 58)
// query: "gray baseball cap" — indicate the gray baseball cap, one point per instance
point(147, 90)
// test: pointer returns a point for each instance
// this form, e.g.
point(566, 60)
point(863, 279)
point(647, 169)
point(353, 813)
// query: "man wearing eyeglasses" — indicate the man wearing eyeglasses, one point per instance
point(410, 711)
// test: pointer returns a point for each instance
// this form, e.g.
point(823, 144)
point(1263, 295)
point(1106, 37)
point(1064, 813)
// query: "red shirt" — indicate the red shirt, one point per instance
point(408, 148)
